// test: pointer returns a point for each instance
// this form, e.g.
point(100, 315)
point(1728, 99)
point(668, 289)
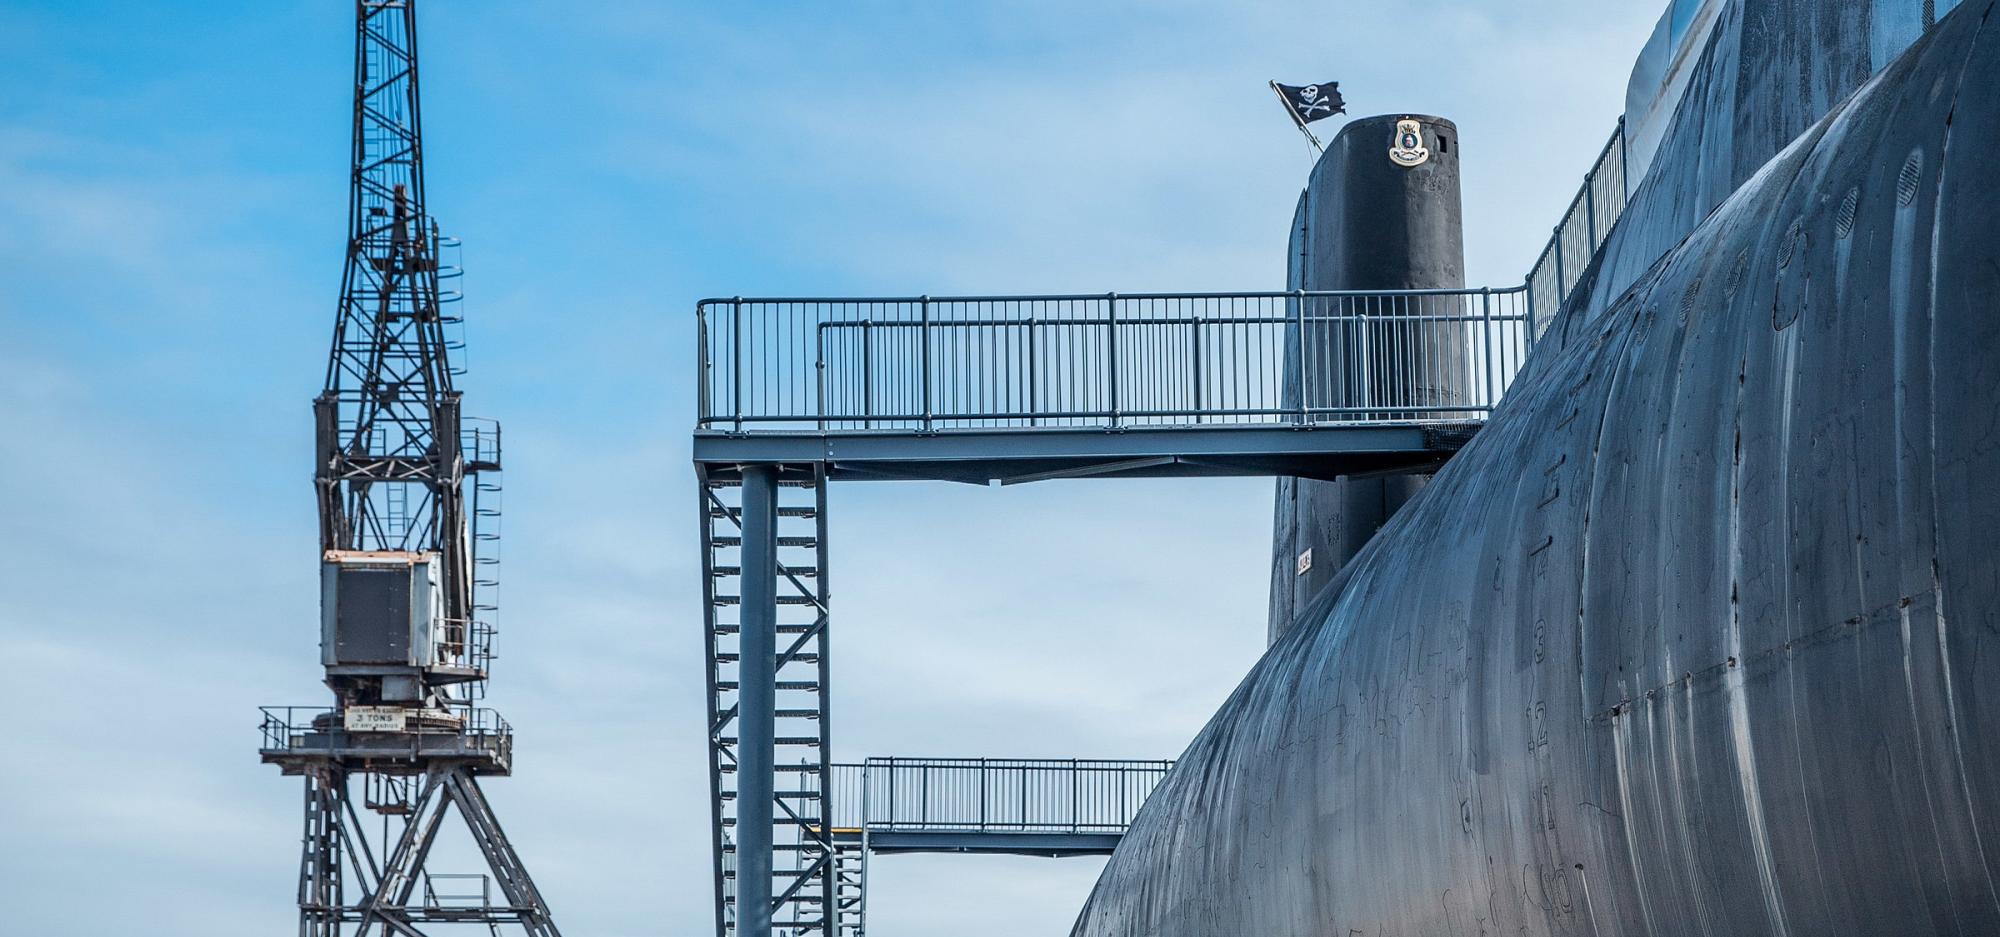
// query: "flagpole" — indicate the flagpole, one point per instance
point(1317, 148)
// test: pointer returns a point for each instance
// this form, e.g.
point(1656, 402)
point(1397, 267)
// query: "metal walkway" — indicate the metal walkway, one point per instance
point(1026, 388)
point(1007, 806)
point(1014, 806)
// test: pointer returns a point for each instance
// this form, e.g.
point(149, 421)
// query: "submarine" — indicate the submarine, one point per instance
point(1700, 634)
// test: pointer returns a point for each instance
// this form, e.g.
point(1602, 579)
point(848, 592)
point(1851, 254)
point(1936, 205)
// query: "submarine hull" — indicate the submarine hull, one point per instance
point(1701, 634)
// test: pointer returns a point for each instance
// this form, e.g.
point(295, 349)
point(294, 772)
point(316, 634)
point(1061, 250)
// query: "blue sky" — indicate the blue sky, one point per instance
point(172, 189)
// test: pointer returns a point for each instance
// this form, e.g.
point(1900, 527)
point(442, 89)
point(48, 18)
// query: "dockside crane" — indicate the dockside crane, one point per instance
point(408, 497)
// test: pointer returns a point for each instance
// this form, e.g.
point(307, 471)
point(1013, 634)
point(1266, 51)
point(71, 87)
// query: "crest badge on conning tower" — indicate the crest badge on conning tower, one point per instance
point(1408, 149)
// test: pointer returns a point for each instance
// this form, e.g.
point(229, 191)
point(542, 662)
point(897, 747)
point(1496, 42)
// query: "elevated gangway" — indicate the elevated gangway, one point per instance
point(1025, 388)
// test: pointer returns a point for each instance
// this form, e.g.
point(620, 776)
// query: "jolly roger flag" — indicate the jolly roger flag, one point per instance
point(1311, 102)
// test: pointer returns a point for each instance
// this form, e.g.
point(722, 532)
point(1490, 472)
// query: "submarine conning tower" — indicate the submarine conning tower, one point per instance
point(1381, 211)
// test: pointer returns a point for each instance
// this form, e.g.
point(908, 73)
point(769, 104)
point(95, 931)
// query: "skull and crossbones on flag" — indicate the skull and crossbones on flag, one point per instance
point(1311, 102)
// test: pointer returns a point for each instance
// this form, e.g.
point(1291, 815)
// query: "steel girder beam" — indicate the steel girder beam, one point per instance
point(339, 858)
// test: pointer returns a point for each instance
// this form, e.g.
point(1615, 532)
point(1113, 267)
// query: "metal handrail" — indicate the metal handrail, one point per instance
point(1592, 212)
point(458, 900)
point(1080, 297)
point(992, 795)
point(1109, 360)
point(285, 727)
point(479, 440)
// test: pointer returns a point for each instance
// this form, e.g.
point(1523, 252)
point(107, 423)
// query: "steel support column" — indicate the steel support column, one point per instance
point(756, 718)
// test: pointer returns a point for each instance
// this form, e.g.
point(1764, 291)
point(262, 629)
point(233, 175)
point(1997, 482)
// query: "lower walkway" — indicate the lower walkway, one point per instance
point(1033, 807)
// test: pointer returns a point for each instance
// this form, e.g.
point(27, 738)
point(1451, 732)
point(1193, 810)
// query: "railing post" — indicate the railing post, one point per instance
point(1299, 311)
point(701, 366)
point(1197, 369)
point(1075, 809)
point(1486, 333)
point(736, 349)
point(1033, 388)
point(924, 330)
point(868, 374)
point(1562, 281)
point(1528, 290)
point(1111, 349)
point(1125, 775)
point(982, 795)
point(819, 370)
point(1590, 209)
point(1624, 165)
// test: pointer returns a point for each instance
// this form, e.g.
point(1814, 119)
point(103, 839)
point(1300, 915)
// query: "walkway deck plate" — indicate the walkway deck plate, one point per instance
point(1008, 456)
point(987, 842)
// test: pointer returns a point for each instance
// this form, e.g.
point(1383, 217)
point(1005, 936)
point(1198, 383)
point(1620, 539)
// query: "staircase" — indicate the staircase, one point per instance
point(850, 889)
point(803, 887)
